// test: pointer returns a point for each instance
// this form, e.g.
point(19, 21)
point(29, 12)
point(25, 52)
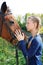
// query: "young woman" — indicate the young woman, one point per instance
point(34, 47)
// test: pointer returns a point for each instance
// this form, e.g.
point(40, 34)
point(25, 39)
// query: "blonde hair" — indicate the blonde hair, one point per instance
point(36, 19)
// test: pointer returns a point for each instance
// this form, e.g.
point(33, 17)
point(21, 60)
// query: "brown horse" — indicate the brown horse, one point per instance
point(13, 25)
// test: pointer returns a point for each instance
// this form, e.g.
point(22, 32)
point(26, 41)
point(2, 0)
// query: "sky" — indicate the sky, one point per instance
point(21, 7)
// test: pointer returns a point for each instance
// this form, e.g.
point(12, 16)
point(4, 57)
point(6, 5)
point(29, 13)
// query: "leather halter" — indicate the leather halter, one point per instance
point(7, 26)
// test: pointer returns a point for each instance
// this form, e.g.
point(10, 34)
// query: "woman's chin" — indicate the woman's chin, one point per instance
point(27, 29)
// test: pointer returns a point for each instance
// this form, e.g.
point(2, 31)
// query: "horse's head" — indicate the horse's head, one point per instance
point(13, 25)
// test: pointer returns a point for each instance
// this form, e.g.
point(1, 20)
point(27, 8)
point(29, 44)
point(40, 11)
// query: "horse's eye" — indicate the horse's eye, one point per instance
point(11, 23)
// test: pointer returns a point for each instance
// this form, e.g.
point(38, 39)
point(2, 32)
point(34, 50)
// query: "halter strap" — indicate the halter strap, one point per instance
point(7, 26)
point(1, 23)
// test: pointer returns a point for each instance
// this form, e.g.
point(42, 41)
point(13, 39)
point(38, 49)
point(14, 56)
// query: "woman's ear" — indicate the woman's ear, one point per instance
point(35, 24)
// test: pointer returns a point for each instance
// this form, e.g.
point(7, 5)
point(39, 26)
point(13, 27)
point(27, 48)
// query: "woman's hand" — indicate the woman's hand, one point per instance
point(19, 35)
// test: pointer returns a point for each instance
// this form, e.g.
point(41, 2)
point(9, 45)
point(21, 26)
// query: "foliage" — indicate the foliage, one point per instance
point(8, 54)
point(41, 30)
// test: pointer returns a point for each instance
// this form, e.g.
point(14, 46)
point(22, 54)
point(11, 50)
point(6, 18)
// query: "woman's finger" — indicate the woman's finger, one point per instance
point(15, 35)
point(22, 34)
point(16, 32)
point(19, 31)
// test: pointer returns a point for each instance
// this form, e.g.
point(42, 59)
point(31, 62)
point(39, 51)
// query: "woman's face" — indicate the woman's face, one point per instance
point(30, 25)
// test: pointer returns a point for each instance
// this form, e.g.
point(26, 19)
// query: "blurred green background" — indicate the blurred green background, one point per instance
point(8, 51)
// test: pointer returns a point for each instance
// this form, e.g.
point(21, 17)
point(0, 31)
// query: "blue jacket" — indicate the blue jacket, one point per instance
point(34, 52)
